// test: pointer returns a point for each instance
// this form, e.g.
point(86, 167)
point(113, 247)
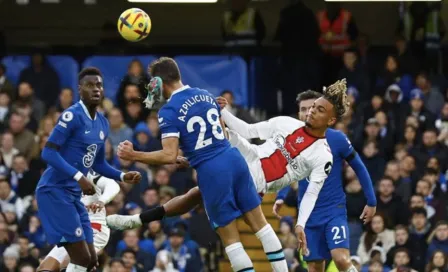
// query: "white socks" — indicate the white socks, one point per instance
point(273, 248)
point(351, 269)
point(75, 268)
point(239, 259)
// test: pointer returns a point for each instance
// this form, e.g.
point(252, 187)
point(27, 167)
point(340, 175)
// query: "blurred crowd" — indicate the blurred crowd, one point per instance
point(398, 123)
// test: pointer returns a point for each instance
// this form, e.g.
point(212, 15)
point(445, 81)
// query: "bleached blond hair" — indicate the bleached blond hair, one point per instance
point(336, 94)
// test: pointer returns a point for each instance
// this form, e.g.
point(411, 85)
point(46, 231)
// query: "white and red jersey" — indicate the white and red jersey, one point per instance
point(105, 190)
point(289, 153)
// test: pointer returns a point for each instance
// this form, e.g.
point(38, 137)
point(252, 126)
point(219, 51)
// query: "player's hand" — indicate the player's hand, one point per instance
point(222, 102)
point(95, 206)
point(182, 162)
point(86, 186)
point(367, 214)
point(125, 150)
point(277, 206)
point(301, 237)
point(132, 177)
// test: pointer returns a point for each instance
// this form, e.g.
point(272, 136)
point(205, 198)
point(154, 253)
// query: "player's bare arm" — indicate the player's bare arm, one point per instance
point(168, 155)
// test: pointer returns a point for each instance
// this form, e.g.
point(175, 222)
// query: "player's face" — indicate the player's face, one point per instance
point(304, 107)
point(321, 114)
point(91, 90)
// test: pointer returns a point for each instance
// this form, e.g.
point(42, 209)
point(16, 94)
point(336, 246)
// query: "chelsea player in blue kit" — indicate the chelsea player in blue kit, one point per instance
point(75, 146)
point(191, 121)
point(327, 228)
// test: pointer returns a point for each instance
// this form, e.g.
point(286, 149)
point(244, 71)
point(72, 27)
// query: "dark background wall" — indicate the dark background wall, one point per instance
point(73, 23)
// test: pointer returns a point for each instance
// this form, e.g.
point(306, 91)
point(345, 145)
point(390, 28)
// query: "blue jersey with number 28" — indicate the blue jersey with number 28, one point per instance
point(192, 115)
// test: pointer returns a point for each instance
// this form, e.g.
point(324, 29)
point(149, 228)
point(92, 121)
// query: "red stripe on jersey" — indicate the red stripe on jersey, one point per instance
point(274, 166)
point(96, 226)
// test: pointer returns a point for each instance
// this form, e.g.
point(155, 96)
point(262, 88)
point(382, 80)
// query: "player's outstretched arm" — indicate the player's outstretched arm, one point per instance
point(168, 154)
point(102, 167)
point(110, 189)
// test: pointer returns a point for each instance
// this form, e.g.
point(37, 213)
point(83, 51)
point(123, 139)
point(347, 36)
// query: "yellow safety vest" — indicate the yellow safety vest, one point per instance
point(330, 268)
point(241, 32)
point(432, 36)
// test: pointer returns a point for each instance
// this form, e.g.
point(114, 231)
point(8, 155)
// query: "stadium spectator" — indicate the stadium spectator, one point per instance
point(9, 201)
point(376, 235)
point(355, 74)
point(401, 241)
point(23, 179)
point(355, 202)
point(185, 258)
point(419, 231)
point(392, 75)
point(144, 250)
point(374, 163)
point(402, 261)
point(143, 140)
point(25, 96)
point(10, 259)
point(438, 260)
point(137, 79)
point(23, 138)
point(438, 240)
point(408, 64)
point(8, 151)
point(390, 204)
point(43, 78)
point(5, 85)
point(119, 131)
point(65, 99)
point(155, 234)
point(129, 259)
point(24, 251)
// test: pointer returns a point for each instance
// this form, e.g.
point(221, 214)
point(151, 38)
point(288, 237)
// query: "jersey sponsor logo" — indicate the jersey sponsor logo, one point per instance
point(89, 158)
point(327, 168)
point(67, 116)
point(275, 166)
point(62, 124)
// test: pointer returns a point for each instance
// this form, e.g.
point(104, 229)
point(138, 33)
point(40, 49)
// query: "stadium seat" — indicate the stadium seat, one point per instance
point(267, 210)
point(67, 69)
point(65, 66)
point(14, 65)
point(215, 74)
point(114, 68)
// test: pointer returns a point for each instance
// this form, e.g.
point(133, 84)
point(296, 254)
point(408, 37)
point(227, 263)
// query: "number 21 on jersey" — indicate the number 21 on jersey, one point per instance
point(212, 121)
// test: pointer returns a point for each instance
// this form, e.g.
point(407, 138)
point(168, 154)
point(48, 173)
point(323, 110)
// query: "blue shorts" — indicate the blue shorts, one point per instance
point(227, 188)
point(323, 238)
point(63, 217)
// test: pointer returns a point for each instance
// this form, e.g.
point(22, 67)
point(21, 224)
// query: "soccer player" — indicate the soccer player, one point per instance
point(75, 146)
point(191, 120)
point(105, 190)
point(327, 228)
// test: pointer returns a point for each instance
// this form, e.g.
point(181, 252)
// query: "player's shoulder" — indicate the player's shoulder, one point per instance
point(322, 149)
point(286, 122)
point(337, 139)
point(70, 115)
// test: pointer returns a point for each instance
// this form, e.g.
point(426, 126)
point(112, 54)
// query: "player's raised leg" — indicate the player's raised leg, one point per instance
point(176, 206)
point(337, 237)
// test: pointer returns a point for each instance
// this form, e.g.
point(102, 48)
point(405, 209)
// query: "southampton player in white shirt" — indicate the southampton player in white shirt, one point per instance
point(106, 189)
point(293, 150)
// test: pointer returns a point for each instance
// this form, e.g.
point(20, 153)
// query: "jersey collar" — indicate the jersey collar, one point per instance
point(85, 110)
point(179, 90)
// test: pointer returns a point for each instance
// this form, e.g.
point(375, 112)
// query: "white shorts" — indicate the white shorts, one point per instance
point(101, 234)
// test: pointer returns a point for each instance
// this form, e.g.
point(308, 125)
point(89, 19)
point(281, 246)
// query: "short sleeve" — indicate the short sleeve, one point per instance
point(167, 124)
point(66, 124)
point(321, 163)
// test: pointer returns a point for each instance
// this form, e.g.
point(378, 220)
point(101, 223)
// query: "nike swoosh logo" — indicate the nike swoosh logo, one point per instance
point(338, 242)
point(87, 132)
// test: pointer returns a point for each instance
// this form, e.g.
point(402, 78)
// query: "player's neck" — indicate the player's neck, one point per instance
point(174, 87)
point(91, 109)
point(318, 133)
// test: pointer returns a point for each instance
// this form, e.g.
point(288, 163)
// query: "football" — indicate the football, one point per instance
point(134, 24)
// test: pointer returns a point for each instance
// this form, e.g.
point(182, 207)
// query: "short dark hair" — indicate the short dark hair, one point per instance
point(402, 249)
point(129, 250)
point(89, 71)
point(227, 92)
point(307, 95)
point(419, 211)
point(387, 178)
point(165, 68)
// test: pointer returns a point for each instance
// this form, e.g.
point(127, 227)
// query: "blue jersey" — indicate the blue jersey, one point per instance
point(79, 140)
point(192, 115)
point(331, 200)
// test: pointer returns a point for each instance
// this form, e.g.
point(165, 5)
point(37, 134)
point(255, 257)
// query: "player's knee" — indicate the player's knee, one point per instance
point(83, 259)
point(342, 261)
